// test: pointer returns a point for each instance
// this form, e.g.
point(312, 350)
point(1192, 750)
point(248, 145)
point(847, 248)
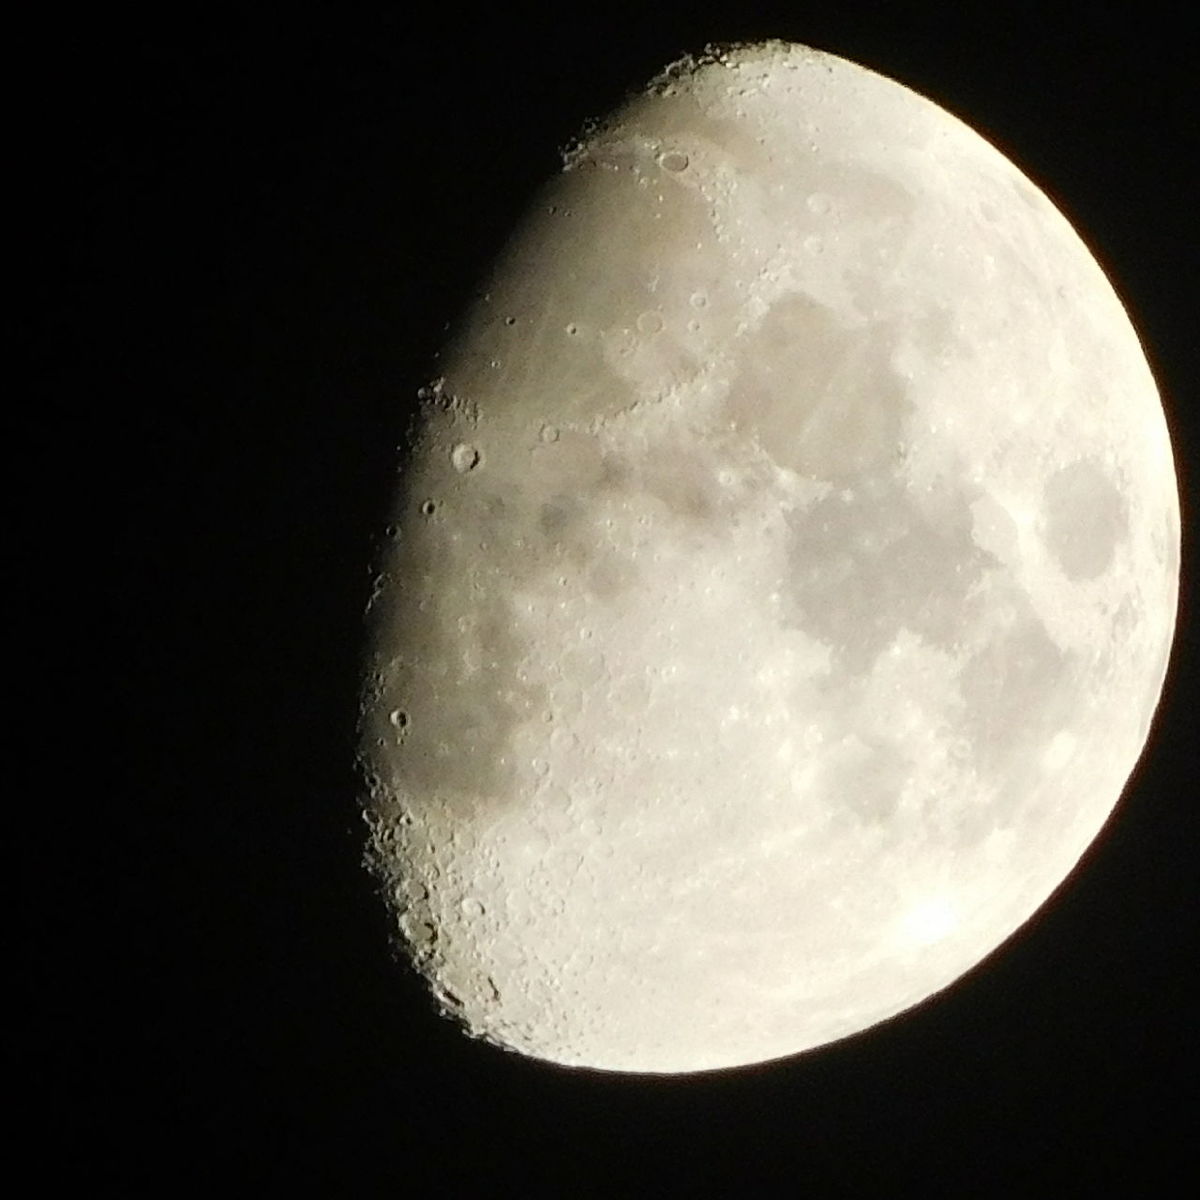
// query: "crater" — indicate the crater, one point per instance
point(464, 457)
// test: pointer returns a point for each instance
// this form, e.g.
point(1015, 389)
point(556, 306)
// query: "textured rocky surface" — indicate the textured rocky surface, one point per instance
point(785, 576)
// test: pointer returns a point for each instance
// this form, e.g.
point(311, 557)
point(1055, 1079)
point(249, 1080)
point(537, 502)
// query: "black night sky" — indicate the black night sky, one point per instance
point(243, 237)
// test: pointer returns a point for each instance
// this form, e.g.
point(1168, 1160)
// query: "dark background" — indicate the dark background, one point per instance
point(240, 238)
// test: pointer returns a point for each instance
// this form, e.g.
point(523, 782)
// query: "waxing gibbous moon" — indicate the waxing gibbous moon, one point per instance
point(785, 576)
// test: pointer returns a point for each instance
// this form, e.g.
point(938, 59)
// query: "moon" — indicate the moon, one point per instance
point(784, 577)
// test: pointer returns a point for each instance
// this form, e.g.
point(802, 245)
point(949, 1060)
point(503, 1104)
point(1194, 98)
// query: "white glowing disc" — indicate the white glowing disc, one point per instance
point(785, 579)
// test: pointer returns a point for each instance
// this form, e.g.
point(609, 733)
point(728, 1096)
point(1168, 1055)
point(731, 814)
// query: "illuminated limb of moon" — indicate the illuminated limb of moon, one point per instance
point(786, 574)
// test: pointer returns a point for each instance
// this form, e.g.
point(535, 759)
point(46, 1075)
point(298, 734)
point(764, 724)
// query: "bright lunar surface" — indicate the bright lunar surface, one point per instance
point(784, 579)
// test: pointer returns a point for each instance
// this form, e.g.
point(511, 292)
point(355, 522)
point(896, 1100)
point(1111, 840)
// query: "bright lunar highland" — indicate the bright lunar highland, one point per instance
point(784, 579)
